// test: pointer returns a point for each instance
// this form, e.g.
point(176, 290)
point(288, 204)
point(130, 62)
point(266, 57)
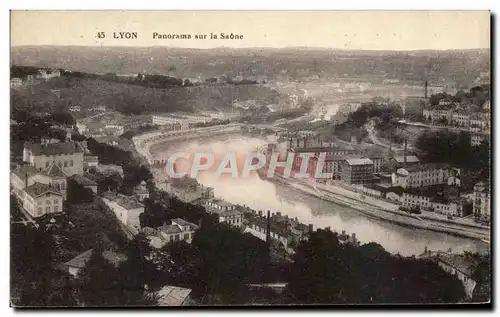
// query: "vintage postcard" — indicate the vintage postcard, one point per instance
point(208, 158)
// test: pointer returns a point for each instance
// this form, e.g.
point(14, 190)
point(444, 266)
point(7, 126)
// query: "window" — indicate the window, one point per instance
point(47, 210)
point(47, 202)
point(176, 237)
point(70, 162)
point(56, 208)
point(186, 236)
point(39, 211)
point(56, 201)
point(170, 238)
point(65, 163)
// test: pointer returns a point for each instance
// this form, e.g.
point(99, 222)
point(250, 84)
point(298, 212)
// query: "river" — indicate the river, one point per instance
point(266, 195)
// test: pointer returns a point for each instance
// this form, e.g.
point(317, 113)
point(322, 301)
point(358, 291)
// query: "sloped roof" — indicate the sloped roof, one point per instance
point(38, 189)
point(26, 170)
point(55, 171)
point(458, 262)
point(172, 295)
point(80, 261)
point(425, 167)
point(54, 148)
point(361, 161)
point(409, 159)
point(122, 200)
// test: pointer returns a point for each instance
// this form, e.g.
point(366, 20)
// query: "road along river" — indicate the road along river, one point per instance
point(278, 197)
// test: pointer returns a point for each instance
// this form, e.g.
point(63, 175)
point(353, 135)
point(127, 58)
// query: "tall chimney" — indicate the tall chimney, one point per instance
point(25, 179)
point(426, 88)
point(268, 231)
point(405, 151)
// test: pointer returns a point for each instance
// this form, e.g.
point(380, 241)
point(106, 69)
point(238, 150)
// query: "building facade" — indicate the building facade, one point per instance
point(126, 209)
point(481, 202)
point(68, 156)
point(422, 175)
point(356, 171)
point(41, 199)
point(226, 211)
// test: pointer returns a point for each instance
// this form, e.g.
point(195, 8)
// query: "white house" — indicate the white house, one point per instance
point(421, 175)
point(179, 230)
point(75, 265)
point(67, 155)
point(481, 203)
point(226, 211)
point(40, 199)
point(28, 175)
point(127, 209)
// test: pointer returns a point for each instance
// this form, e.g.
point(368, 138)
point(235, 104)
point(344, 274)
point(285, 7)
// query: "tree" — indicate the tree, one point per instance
point(97, 281)
point(137, 272)
point(326, 272)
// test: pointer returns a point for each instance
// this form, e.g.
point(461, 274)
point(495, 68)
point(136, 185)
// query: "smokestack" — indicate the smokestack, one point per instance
point(25, 179)
point(405, 151)
point(426, 88)
point(268, 231)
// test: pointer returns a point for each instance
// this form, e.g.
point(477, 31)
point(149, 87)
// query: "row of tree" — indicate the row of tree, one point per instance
point(453, 148)
point(475, 96)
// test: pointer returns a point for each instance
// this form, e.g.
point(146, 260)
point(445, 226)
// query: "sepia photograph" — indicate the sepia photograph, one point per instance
point(161, 159)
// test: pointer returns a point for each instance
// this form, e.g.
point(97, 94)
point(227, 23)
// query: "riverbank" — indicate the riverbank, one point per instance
point(391, 216)
point(370, 207)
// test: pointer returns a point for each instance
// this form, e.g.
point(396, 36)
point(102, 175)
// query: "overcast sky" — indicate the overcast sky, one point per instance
point(375, 30)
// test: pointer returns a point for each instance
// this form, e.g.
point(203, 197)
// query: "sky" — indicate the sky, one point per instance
point(354, 30)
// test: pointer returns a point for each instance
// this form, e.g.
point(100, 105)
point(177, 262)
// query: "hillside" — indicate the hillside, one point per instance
point(461, 67)
point(126, 98)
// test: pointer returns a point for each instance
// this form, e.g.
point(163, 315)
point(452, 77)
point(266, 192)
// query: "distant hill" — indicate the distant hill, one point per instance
point(457, 66)
point(133, 99)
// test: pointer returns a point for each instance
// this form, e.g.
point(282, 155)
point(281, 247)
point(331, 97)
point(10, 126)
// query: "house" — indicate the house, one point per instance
point(399, 160)
point(460, 265)
point(422, 175)
point(67, 155)
point(226, 211)
point(27, 175)
point(257, 226)
point(47, 74)
point(378, 158)
point(331, 165)
point(41, 199)
point(90, 161)
point(16, 82)
point(481, 202)
point(179, 230)
point(477, 138)
point(187, 189)
point(174, 296)
point(126, 209)
point(344, 238)
point(85, 182)
point(141, 191)
point(356, 171)
point(75, 265)
point(452, 207)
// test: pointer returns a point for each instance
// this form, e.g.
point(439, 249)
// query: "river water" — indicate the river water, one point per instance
point(265, 195)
